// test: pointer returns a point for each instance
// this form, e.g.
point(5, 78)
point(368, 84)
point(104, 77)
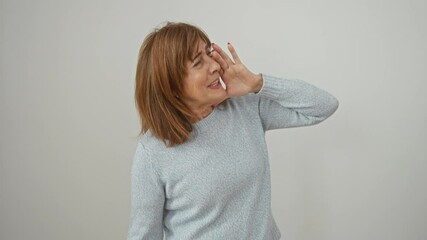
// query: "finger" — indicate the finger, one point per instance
point(222, 54)
point(222, 63)
point(234, 53)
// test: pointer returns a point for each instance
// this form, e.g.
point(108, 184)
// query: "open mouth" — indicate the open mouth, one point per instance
point(218, 84)
point(214, 84)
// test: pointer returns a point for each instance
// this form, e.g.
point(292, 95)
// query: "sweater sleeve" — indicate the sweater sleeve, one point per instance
point(147, 199)
point(285, 103)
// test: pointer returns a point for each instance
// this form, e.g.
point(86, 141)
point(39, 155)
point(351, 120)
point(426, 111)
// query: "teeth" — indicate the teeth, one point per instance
point(214, 84)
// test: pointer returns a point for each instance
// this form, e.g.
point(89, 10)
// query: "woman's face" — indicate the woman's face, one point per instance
point(202, 88)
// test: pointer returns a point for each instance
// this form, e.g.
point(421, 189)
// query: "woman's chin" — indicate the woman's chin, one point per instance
point(221, 99)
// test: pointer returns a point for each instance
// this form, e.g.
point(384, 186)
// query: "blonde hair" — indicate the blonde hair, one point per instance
point(159, 78)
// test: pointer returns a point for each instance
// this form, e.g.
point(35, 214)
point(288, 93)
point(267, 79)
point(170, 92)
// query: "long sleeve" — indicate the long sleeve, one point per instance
point(286, 103)
point(147, 199)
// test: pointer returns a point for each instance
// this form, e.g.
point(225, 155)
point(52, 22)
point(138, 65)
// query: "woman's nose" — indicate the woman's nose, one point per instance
point(213, 65)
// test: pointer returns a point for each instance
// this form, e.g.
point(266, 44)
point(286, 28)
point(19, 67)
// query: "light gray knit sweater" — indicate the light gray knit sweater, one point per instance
point(217, 185)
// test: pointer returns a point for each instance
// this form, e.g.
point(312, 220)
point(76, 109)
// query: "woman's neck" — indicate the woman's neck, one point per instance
point(202, 112)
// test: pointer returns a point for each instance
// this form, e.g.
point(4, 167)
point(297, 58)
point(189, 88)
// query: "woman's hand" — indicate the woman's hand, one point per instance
point(238, 79)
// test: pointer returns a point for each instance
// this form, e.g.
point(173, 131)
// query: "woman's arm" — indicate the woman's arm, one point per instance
point(283, 103)
point(147, 199)
point(288, 103)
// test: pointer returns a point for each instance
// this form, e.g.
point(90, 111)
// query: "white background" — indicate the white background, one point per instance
point(68, 125)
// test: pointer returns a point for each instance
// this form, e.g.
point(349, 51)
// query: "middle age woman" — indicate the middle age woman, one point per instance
point(201, 168)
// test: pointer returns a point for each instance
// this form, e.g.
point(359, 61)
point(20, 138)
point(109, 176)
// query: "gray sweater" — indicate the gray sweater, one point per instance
point(217, 185)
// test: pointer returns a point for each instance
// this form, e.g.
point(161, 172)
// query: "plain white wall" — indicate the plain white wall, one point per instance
point(68, 125)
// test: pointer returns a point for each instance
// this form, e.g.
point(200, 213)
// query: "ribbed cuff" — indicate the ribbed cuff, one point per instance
point(272, 87)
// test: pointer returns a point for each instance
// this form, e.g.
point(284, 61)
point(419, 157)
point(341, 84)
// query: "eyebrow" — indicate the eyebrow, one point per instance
point(200, 52)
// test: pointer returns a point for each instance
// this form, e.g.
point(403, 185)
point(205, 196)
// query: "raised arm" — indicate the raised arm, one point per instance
point(288, 103)
point(283, 102)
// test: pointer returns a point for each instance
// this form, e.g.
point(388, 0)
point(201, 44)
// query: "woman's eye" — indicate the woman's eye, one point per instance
point(197, 63)
point(209, 52)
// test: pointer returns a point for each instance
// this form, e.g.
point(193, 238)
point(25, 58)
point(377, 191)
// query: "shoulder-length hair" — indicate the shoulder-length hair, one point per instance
point(159, 78)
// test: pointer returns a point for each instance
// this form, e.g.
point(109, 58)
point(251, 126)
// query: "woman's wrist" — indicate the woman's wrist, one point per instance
point(259, 80)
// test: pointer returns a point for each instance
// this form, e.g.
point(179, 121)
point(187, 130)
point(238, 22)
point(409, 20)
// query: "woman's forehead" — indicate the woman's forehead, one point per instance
point(203, 46)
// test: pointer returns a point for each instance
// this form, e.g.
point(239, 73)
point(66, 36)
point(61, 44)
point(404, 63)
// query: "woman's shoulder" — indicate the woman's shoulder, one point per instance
point(150, 142)
point(150, 150)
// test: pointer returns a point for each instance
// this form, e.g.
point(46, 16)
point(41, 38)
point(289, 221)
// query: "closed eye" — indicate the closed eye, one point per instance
point(210, 51)
point(199, 58)
point(197, 63)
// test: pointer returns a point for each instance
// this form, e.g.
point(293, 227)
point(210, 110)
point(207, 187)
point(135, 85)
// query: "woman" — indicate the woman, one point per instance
point(201, 167)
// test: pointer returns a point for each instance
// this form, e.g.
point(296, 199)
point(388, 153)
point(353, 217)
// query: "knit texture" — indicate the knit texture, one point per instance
point(217, 184)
